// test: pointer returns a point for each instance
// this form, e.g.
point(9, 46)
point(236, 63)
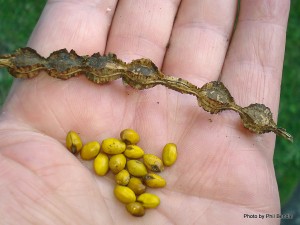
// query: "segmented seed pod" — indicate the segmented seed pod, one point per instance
point(130, 136)
point(73, 142)
point(90, 150)
point(136, 168)
point(136, 185)
point(133, 152)
point(101, 164)
point(169, 154)
point(154, 181)
point(149, 200)
point(153, 163)
point(117, 163)
point(124, 194)
point(135, 209)
point(122, 178)
point(113, 146)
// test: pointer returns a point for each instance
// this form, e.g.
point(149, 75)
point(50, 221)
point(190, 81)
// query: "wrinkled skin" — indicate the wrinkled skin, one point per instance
point(223, 171)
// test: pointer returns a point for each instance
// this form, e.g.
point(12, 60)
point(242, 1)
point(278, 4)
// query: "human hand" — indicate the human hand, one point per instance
point(223, 171)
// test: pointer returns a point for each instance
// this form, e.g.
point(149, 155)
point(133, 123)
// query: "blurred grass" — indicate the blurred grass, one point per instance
point(287, 155)
point(17, 20)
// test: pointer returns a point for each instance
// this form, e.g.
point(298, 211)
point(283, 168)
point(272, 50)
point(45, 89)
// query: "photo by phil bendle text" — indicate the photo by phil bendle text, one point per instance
point(268, 216)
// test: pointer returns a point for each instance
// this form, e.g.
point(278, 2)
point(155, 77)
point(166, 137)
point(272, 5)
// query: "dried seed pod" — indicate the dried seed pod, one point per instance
point(135, 209)
point(136, 168)
point(215, 97)
point(124, 194)
point(90, 150)
point(101, 164)
point(103, 68)
point(117, 163)
point(149, 200)
point(130, 136)
point(133, 152)
point(154, 181)
point(113, 146)
point(136, 185)
point(153, 163)
point(258, 118)
point(169, 154)
point(73, 142)
point(24, 63)
point(122, 178)
point(139, 74)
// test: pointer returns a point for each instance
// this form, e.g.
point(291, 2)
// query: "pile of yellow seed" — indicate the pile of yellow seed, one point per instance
point(123, 158)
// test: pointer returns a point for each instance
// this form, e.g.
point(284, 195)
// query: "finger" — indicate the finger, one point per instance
point(79, 25)
point(253, 66)
point(200, 39)
point(142, 29)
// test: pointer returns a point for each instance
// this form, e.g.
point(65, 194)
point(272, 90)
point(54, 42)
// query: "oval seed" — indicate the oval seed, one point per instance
point(136, 185)
point(117, 163)
point(124, 194)
point(134, 152)
point(73, 142)
point(169, 155)
point(90, 150)
point(123, 177)
point(113, 146)
point(153, 163)
point(154, 181)
point(136, 168)
point(149, 200)
point(135, 209)
point(129, 136)
point(101, 164)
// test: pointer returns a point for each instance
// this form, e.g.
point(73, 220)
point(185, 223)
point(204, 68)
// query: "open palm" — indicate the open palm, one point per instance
point(223, 172)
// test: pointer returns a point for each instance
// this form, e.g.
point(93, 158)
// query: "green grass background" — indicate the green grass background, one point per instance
point(18, 18)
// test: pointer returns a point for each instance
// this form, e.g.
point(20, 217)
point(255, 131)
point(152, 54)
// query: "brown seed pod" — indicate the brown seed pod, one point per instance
point(140, 74)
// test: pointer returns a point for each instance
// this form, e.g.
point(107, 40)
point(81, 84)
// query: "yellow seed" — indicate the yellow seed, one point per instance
point(113, 146)
point(73, 142)
point(136, 185)
point(90, 150)
point(154, 181)
point(135, 209)
point(122, 177)
point(136, 168)
point(101, 164)
point(130, 137)
point(124, 194)
point(149, 200)
point(134, 152)
point(153, 163)
point(117, 163)
point(169, 154)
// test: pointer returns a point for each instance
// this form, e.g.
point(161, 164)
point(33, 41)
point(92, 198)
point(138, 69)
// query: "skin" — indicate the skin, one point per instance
point(223, 171)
